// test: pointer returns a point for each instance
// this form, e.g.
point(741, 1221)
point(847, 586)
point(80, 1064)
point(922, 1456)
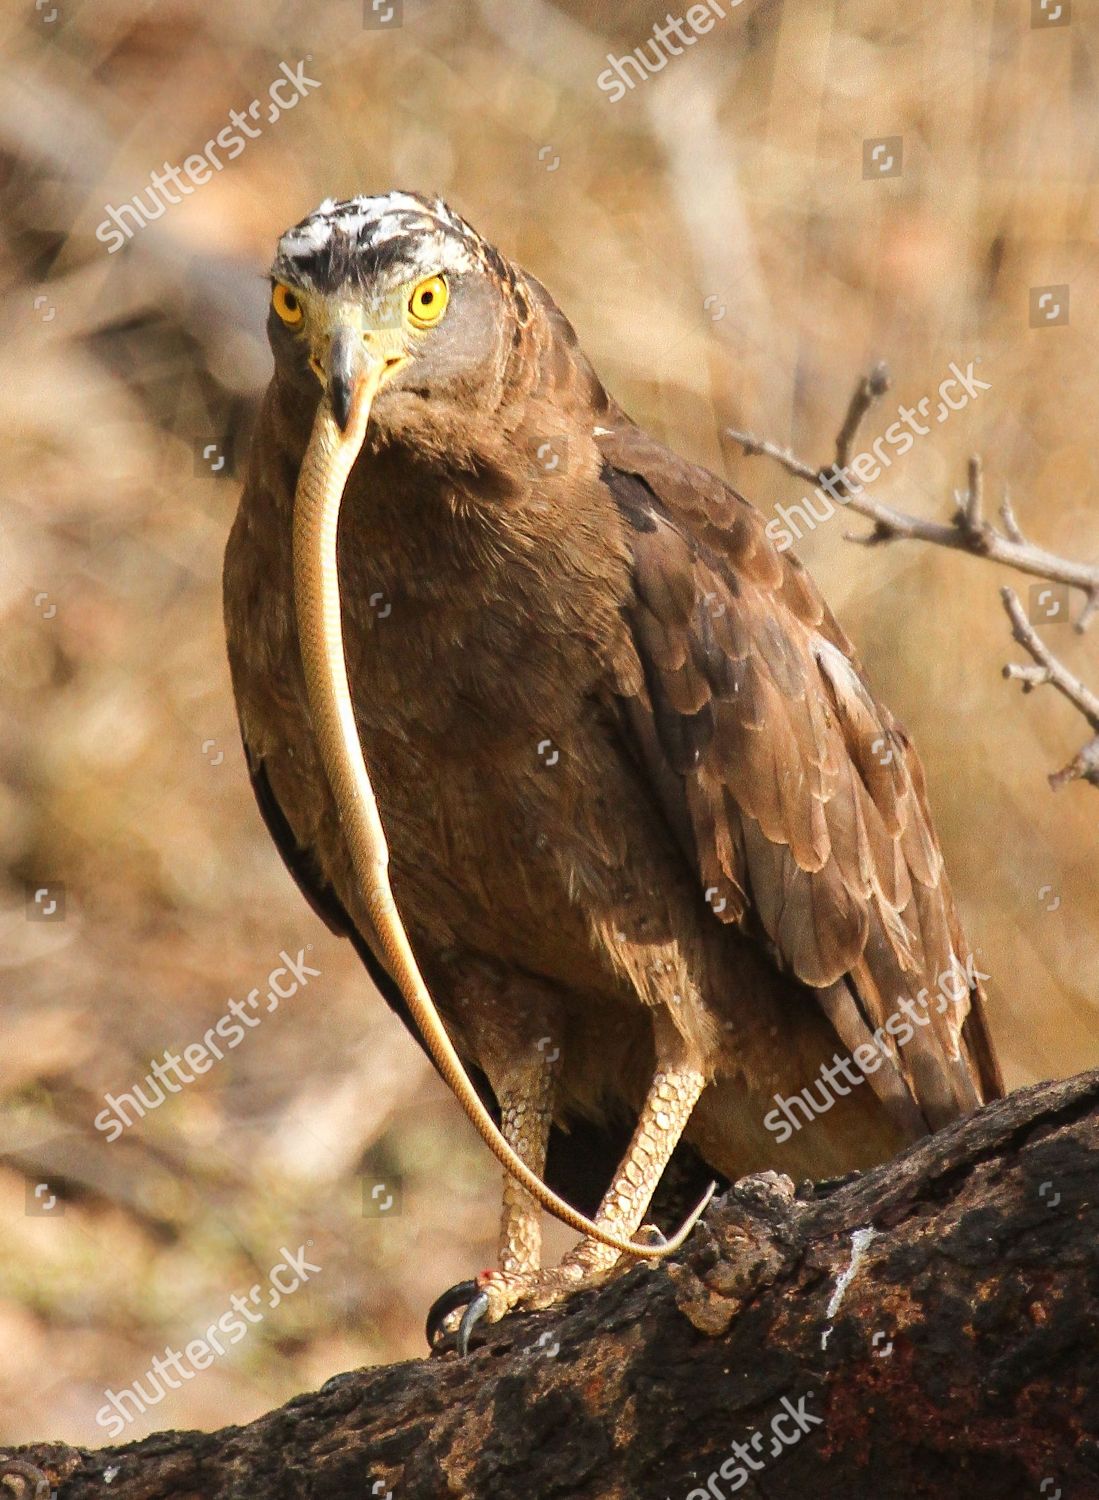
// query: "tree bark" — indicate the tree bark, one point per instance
point(932, 1323)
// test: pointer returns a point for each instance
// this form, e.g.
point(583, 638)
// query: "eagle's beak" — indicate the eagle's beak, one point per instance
point(355, 359)
point(346, 367)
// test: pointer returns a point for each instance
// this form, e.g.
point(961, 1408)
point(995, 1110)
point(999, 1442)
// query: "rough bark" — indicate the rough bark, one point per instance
point(959, 1343)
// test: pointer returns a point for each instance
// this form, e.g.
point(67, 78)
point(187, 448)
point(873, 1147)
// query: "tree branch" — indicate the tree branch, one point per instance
point(932, 1318)
point(969, 531)
point(1085, 765)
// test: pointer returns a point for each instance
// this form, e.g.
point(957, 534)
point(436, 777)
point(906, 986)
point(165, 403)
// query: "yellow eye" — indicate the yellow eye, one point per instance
point(428, 302)
point(286, 304)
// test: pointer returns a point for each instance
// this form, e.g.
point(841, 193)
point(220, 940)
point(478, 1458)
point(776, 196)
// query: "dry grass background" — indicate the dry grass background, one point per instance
point(737, 174)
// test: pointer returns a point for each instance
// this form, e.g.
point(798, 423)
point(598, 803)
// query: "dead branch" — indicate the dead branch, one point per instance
point(932, 1319)
point(1085, 766)
point(968, 530)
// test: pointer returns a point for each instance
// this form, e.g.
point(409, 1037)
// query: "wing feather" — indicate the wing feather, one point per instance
point(798, 796)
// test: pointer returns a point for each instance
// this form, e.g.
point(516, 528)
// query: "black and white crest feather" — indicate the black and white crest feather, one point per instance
point(359, 239)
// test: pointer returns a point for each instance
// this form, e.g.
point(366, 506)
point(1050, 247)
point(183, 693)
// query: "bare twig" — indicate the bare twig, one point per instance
point(967, 531)
point(868, 390)
point(1007, 516)
point(971, 513)
point(1085, 766)
point(970, 531)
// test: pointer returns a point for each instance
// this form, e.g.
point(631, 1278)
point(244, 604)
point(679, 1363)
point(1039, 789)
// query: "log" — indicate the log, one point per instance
point(916, 1329)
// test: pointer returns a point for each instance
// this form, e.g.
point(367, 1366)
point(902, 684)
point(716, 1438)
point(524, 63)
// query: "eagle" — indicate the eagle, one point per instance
point(664, 858)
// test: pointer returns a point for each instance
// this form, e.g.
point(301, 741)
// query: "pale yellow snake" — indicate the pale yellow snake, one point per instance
point(324, 473)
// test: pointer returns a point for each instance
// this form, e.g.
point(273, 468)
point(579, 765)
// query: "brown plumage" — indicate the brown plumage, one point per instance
point(641, 802)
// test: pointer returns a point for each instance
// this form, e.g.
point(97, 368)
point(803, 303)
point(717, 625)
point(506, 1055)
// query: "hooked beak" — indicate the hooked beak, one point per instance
point(346, 368)
point(354, 367)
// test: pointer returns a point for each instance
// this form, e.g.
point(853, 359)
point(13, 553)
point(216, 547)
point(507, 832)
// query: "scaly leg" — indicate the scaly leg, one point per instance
point(676, 1087)
point(525, 1093)
point(526, 1111)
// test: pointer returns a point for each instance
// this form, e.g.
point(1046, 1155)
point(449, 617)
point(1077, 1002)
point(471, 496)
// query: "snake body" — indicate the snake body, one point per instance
point(323, 477)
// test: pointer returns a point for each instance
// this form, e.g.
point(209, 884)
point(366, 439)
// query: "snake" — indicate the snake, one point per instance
point(322, 479)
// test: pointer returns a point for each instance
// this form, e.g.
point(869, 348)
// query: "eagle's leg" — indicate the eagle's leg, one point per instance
point(677, 1084)
point(526, 1112)
point(673, 1095)
point(525, 1092)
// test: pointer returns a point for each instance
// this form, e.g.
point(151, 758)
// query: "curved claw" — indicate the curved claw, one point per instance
point(460, 1295)
point(470, 1318)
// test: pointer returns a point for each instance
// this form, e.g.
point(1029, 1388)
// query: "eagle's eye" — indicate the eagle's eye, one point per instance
point(286, 304)
point(428, 302)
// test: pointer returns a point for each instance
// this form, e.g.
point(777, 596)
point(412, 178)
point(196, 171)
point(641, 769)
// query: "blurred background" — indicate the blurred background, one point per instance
point(732, 253)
